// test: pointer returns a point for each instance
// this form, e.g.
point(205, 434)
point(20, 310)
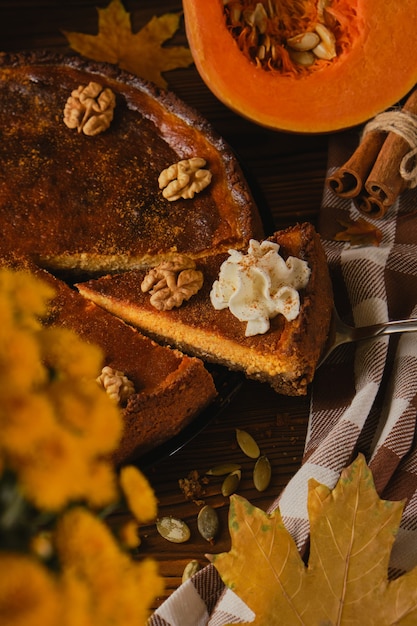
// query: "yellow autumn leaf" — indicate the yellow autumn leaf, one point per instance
point(346, 579)
point(140, 53)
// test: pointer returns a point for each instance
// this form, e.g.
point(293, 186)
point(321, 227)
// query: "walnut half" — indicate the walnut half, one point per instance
point(172, 282)
point(184, 179)
point(116, 384)
point(90, 109)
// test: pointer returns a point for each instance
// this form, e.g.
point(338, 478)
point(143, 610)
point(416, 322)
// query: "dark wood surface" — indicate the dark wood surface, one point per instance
point(286, 172)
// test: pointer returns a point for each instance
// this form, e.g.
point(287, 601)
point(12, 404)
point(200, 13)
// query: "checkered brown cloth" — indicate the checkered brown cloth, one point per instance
point(364, 397)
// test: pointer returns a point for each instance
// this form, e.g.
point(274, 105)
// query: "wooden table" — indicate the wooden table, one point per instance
point(286, 173)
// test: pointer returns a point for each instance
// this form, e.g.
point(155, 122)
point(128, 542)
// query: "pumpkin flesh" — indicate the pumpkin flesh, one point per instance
point(372, 69)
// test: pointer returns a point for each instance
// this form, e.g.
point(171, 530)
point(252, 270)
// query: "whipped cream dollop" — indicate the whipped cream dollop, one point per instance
point(259, 285)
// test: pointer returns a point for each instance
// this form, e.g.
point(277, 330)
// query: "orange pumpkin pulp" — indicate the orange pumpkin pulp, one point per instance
point(244, 51)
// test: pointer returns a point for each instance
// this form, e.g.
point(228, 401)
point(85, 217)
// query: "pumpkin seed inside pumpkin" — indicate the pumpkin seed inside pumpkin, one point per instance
point(305, 41)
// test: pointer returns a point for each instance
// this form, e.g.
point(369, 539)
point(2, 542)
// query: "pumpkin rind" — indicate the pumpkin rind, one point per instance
point(377, 71)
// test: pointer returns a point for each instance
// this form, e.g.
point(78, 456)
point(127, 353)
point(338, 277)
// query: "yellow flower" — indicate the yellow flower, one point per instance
point(82, 540)
point(84, 410)
point(56, 424)
point(26, 296)
point(54, 473)
point(120, 590)
point(20, 363)
point(70, 356)
point(29, 594)
point(150, 585)
point(23, 420)
point(100, 485)
point(129, 534)
point(50, 474)
point(75, 600)
point(41, 545)
point(138, 493)
point(57, 430)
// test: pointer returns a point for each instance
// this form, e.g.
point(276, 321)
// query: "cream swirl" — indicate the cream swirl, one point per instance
point(259, 285)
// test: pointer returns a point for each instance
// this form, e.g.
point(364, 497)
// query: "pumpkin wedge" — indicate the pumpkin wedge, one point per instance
point(307, 66)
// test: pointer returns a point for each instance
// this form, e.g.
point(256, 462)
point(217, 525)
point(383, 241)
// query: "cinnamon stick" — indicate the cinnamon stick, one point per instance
point(347, 181)
point(372, 176)
point(385, 181)
point(369, 205)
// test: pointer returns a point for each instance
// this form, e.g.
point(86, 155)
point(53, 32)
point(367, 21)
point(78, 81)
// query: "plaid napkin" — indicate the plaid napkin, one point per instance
point(364, 397)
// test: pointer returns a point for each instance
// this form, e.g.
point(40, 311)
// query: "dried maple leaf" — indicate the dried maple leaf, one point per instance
point(359, 233)
point(346, 579)
point(140, 53)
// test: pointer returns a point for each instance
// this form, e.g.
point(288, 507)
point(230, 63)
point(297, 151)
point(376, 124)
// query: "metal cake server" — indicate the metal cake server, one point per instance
point(341, 333)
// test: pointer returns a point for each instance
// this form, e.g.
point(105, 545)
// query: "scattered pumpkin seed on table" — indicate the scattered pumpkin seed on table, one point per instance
point(262, 473)
point(190, 569)
point(208, 523)
point(223, 468)
point(173, 529)
point(231, 483)
point(247, 443)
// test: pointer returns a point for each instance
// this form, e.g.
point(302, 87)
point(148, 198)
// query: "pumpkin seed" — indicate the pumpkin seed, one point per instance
point(321, 7)
point(247, 443)
point(267, 43)
point(190, 569)
point(208, 523)
point(231, 483)
point(223, 468)
point(262, 473)
point(304, 41)
point(257, 17)
point(261, 53)
point(322, 52)
point(274, 50)
point(173, 529)
point(326, 49)
point(302, 57)
point(235, 15)
point(260, 17)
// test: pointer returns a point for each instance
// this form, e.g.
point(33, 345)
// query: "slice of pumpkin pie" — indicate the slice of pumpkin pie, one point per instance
point(266, 312)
